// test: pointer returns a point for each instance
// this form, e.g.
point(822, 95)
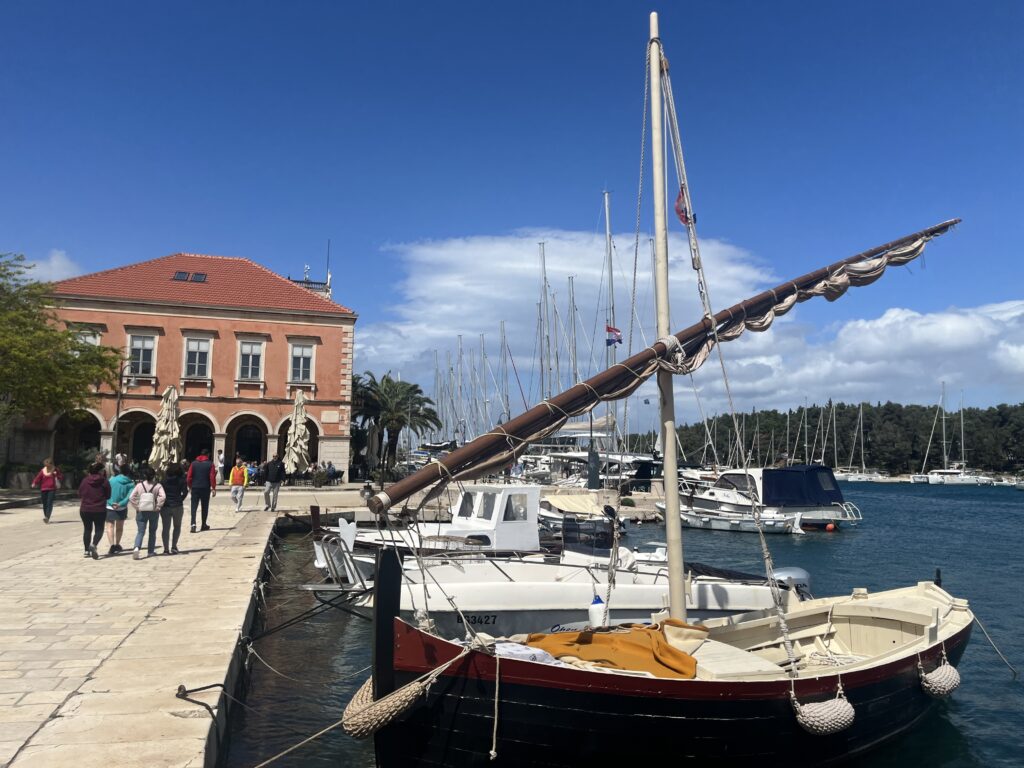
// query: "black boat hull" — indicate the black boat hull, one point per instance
point(551, 716)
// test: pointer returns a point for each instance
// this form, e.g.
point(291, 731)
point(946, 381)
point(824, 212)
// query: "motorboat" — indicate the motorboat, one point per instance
point(790, 499)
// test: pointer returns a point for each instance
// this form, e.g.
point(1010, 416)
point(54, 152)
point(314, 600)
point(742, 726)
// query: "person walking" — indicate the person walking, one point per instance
point(94, 490)
point(239, 479)
point(221, 477)
point(48, 482)
point(273, 473)
point(173, 509)
point(148, 498)
point(117, 507)
point(202, 484)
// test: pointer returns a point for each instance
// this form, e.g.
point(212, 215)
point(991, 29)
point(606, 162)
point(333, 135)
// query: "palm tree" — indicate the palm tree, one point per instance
point(391, 405)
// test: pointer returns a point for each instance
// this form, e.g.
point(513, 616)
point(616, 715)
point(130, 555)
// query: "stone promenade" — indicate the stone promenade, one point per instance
point(92, 652)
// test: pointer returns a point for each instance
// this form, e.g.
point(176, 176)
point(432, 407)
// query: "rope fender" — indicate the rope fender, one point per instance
point(363, 716)
point(942, 680)
point(824, 718)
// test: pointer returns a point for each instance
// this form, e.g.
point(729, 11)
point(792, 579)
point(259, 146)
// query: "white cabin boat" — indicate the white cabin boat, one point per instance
point(491, 518)
point(958, 474)
point(790, 499)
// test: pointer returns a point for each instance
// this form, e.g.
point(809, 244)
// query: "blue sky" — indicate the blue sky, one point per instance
point(426, 139)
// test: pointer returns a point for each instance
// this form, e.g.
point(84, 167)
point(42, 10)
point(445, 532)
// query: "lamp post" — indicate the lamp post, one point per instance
point(132, 381)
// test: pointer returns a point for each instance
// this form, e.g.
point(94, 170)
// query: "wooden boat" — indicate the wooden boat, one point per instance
point(875, 651)
point(817, 682)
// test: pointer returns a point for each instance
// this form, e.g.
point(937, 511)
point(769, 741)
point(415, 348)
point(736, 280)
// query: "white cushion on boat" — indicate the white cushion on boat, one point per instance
point(716, 660)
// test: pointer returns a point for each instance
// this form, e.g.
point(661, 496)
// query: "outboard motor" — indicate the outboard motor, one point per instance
point(800, 579)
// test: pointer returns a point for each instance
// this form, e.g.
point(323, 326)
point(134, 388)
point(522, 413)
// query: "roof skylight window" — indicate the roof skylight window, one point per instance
point(198, 277)
point(183, 276)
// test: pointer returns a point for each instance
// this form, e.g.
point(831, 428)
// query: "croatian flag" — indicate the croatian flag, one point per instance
point(614, 336)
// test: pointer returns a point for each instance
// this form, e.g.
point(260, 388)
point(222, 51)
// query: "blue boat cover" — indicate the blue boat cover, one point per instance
point(800, 486)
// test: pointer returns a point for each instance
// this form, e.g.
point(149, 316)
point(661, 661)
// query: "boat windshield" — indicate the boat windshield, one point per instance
point(487, 506)
point(738, 481)
point(515, 507)
point(466, 507)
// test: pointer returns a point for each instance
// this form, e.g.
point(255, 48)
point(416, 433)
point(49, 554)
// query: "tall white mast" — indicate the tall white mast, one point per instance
point(963, 445)
point(945, 445)
point(546, 320)
point(863, 464)
point(612, 409)
point(673, 526)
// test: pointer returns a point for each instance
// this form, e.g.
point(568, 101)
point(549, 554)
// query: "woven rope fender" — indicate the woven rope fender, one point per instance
point(363, 716)
point(824, 717)
point(941, 681)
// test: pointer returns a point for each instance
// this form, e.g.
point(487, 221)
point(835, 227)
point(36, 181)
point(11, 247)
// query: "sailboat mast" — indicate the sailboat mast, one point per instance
point(673, 525)
point(963, 445)
point(506, 411)
point(545, 322)
point(945, 445)
point(863, 463)
point(612, 406)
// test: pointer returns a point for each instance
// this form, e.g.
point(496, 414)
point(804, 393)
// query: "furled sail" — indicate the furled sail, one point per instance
point(684, 352)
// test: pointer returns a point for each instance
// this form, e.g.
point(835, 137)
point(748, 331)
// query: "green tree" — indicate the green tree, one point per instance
point(44, 368)
point(392, 406)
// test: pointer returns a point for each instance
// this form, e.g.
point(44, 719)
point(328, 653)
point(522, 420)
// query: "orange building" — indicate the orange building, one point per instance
point(235, 339)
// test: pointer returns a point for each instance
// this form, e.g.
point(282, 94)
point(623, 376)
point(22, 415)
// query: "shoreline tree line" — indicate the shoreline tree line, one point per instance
point(895, 437)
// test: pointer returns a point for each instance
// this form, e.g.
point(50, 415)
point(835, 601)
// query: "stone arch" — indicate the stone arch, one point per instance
point(246, 434)
point(284, 422)
point(52, 423)
point(75, 435)
point(214, 425)
point(197, 431)
point(134, 436)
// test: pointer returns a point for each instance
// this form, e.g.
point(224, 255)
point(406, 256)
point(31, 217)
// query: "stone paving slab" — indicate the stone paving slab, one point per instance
point(92, 652)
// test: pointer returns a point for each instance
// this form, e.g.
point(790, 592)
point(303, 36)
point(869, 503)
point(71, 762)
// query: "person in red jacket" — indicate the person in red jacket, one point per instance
point(202, 483)
point(48, 481)
point(94, 492)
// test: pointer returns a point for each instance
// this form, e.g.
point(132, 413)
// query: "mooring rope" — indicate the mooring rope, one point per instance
point(995, 648)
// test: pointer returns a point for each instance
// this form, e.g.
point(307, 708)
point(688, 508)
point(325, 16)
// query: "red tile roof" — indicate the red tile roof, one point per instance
point(231, 281)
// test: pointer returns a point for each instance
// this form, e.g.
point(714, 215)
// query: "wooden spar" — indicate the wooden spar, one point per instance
point(513, 433)
point(666, 393)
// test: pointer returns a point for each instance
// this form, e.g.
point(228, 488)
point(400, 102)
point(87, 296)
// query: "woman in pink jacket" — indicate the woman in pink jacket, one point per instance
point(48, 481)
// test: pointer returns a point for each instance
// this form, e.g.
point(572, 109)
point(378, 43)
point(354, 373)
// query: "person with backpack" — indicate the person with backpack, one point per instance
point(117, 507)
point(148, 498)
point(202, 484)
point(174, 508)
point(48, 482)
point(239, 478)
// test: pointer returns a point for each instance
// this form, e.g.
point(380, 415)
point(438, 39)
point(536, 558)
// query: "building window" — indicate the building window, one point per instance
point(197, 358)
point(251, 353)
point(141, 355)
point(198, 277)
point(302, 363)
point(88, 336)
point(181, 276)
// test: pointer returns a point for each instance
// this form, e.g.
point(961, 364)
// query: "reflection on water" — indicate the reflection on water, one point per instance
point(972, 534)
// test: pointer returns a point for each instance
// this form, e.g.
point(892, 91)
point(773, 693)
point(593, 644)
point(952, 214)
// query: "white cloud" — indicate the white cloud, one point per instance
point(468, 286)
point(56, 266)
point(901, 355)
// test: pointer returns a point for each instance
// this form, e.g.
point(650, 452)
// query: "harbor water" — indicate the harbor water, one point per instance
point(973, 534)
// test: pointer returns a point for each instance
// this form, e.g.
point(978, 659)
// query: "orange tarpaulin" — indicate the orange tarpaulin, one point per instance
point(635, 647)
